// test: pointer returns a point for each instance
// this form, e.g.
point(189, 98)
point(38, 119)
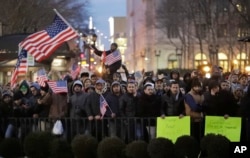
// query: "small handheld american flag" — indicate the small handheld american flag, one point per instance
point(58, 86)
point(113, 57)
point(41, 77)
point(103, 105)
point(75, 70)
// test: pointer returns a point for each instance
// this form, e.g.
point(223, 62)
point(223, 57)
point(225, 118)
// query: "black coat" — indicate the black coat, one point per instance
point(245, 105)
point(148, 106)
point(127, 105)
point(170, 106)
point(113, 67)
point(220, 104)
point(113, 101)
point(92, 107)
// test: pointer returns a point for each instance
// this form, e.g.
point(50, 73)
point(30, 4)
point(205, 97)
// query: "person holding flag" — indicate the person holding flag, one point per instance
point(111, 59)
point(96, 107)
point(113, 111)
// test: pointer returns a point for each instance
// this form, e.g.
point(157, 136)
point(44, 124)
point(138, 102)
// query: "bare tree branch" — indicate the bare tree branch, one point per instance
point(29, 15)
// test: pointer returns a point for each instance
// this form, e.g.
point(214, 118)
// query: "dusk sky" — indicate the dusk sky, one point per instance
point(101, 10)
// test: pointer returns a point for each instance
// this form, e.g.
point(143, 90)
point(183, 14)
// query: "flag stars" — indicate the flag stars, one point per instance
point(57, 26)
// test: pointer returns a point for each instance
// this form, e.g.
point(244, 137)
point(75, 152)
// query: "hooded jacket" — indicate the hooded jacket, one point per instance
point(181, 83)
point(26, 96)
point(77, 102)
point(113, 101)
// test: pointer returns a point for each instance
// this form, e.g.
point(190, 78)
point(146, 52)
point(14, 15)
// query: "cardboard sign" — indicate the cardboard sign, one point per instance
point(173, 127)
point(230, 128)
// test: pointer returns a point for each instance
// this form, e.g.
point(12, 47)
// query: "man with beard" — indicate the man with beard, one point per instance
point(243, 81)
point(127, 108)
point(113, 111)
point(194, 108)
point(77, 107)
point(93, 111)
point(148, 107)
point(172, 103)
point(218, 102)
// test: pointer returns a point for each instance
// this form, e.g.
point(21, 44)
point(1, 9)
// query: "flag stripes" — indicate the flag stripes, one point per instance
point(20, 68)
point(58, 86)
point(43, 43)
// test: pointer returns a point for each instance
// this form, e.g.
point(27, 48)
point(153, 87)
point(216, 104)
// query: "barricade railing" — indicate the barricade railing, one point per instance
point(128, 129)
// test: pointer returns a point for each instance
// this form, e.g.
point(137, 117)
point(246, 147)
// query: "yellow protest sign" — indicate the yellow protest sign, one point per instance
point(173, 127)
point(229, 128)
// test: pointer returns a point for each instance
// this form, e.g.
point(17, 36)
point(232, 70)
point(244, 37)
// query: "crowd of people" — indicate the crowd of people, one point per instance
point(151, 97)
point(44, 145)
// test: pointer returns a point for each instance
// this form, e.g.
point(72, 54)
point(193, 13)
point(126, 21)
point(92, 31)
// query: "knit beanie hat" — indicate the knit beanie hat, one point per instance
point(17, 95)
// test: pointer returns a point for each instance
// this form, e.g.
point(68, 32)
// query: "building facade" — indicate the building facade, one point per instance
point(184, 35)
point(118, 34)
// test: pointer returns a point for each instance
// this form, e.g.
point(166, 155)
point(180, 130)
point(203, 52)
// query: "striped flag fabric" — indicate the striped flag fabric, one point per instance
point(113, 57)
point(75, 70)
point(103, 105)
point(43, 43)
point(20, 68)
point(42, 77)
point(58, 86)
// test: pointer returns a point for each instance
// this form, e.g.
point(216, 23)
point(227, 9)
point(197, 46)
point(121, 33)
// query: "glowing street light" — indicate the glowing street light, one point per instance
point(206, 68)
point(247, 68)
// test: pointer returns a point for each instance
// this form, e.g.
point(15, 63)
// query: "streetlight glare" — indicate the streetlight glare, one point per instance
point(247, 68)
point(208, 75)
point(99, 69)
point(206, 68)
point(205, 62)
point(235, 62)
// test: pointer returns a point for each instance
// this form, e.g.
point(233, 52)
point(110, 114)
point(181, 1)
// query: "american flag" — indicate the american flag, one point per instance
point(103, 105)
point(45, 42)
point(75, 70)
point(41, 77)
point(113, 57)
point(20, 68)
point(58, 86)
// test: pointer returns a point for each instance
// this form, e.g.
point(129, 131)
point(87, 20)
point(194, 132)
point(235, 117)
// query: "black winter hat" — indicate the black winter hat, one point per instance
point(84, 74)
point(148, 79)
point(45, 88)
point(17, 95)
point(6, 94)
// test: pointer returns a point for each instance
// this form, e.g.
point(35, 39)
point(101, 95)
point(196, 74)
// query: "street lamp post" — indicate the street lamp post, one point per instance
point(213, 53)
point(88, 40)
point(157, 54)
point(179, 55)
point(143, 58)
